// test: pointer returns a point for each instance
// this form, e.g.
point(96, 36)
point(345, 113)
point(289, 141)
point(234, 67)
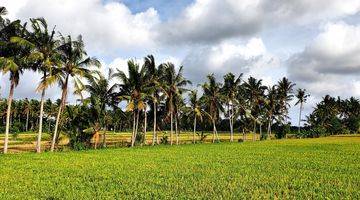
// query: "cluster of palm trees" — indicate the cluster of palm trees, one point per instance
point(334, 116)
point(153, 93)
point(58, 59)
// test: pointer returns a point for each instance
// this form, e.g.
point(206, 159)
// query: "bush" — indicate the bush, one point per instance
point(164, 139)
point(282, 130)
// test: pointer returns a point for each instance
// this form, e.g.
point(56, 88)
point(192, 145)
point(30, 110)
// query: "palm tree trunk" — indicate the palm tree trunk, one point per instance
point(244, 136)
point(260, 129)
point(145, 124)
point(269, 129)
point(133, 131)
point(38, 143)
point(154, 129)
point(216, 133)
point(300, 116)
point(231, 123)
point(27, 120)
point(194, 129)
point(104, 137)
point(171, 127)
point(254, 134)
point(136, 128)
point(62, 104)
point(176, 130)
point(10, 98)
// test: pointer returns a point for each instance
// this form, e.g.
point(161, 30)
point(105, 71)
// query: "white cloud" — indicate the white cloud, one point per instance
point(207, 21)
point(251, 58)
point(106, 27)
point(331, 63)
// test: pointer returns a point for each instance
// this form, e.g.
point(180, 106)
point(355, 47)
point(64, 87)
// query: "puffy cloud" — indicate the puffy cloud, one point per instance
point(207, 21)
point(106, 27)
point(230, 56)
point(331, 63)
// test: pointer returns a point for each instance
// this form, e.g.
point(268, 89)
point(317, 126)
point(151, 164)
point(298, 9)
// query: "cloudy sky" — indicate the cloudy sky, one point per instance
point(314, 43)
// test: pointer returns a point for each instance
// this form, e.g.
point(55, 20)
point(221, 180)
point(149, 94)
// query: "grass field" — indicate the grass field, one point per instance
point(26, 142)
point(292, 169)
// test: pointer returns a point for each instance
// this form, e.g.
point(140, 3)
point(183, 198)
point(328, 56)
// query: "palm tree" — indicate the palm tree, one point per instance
point(74, 65)
point(132, 89)
point(230, 87)
point(301, 99)
point(195, 109)
point(172, 84)
point(152, 75)
point(212, 100)
point(285, 89)
point(104, 95)
point(272, 106)
point(254, 91)
point(47, 58)
point(13, 60)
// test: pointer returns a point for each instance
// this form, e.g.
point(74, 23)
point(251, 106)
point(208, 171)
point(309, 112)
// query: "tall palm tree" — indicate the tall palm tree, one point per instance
point(212, 100)
point(132, 88)
point(301, 99)
point(195, 109)
point(173, 84)
point(76, 65)
point(13, 60)
point(285, 92)
point(47, 57)
point(152, 76)
point(254, 91)
point(272, 106)
point(230, 89)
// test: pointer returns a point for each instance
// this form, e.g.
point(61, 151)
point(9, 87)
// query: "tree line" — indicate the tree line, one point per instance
point(156, 95)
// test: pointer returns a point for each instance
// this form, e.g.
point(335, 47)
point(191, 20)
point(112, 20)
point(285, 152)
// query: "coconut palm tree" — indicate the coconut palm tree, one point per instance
point(285, 94)
point(272, 106)
point(47, 57)
point(195, 109)
point(212, 101)
point(132, 89)
point(230, 89)
point(76, 65)
point(254, 91)
point(301, 99)
point(104, 94)
point(13, 60)
point(173, 84)
point(152, 76)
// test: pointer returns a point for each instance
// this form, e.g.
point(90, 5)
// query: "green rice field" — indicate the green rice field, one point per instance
point(323, 168)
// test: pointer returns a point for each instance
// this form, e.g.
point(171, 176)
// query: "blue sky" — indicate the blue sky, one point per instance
point(314, 43)
point(166, 8)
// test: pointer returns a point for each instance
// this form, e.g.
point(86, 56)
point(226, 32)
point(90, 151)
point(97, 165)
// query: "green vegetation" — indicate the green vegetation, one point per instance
point(302, 169)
